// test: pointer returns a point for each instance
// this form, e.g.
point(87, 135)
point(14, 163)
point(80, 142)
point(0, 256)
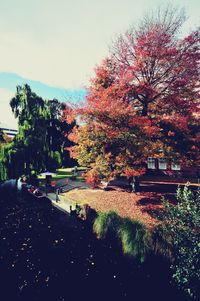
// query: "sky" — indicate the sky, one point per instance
point(59, 42)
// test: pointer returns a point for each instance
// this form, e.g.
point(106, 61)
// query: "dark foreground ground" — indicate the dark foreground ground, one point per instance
point(47, 255)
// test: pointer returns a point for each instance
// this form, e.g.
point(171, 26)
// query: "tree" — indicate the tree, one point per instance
point(1, 137)
point(143, 100)
point(57, 130)
point(41, 137)
point(29, 148)
point(182, 226)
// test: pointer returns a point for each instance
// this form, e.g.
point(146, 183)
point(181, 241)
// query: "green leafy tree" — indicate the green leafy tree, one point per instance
point(57, 128)
point(182, 226)
point(41, 137)
point(5, 140)
point(1, 137)
point(31, 147)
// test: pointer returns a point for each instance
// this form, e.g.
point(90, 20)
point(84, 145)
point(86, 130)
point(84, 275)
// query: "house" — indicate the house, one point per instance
point(162, 166)
point(10, 132)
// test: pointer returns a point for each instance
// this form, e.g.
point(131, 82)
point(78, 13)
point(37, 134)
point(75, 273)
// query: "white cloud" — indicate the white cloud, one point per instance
point(6, 116)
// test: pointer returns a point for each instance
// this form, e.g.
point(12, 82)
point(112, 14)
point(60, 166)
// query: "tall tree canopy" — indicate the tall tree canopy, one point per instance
point(143, 100)
point(41, 137)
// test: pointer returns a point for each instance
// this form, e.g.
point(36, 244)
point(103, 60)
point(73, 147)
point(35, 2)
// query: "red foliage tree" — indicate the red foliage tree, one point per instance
point(143, 100)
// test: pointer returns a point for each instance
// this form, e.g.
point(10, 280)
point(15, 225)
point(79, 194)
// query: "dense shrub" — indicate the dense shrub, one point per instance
point(182, 225)
point(177, 238)
point(92, 178)
point(135, 238)
point(162, 242)
point(133, 235)
point(107, 222)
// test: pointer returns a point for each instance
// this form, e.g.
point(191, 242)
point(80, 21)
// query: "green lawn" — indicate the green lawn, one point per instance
point(70, 170)
point(56, 177)
point(67, 173)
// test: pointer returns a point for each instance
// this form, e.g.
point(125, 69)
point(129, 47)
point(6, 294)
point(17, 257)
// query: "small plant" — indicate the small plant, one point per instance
point(106, 222)
point(135, 238)
point(92, 177)
point(162, 242)
point(133, 235)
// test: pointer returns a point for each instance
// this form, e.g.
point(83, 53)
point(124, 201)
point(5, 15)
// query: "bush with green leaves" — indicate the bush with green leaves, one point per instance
point(182, 224)
point(177, 237)
point(135, 238)
point(132, 234)
point(107, 223)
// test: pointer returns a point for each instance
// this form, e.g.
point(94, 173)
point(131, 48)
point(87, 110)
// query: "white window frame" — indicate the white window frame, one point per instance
point(151, 163)
point(162, 164)
point(175, 166)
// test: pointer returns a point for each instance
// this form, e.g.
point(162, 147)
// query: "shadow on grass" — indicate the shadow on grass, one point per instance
point(153, 204)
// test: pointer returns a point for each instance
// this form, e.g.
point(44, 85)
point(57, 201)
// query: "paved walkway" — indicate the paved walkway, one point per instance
point(72, 183)
point(64, 206)
point(66, 185)
point(60, 203)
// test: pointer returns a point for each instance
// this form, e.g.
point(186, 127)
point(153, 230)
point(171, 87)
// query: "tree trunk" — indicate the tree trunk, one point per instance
point(145, 109)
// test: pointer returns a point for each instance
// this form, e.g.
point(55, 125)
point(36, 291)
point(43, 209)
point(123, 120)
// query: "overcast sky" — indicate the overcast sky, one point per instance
point(59, 42)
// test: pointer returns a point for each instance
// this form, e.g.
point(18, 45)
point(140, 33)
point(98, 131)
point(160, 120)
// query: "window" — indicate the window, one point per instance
point(175, 166)
point(162, 163)
point(151, 163)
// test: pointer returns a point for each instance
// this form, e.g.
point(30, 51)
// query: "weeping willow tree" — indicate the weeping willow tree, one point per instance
point(41, 135)
point(1, 137)
point(3, 163)
point(5, 141)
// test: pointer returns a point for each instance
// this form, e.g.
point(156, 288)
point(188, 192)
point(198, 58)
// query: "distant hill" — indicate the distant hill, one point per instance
point(11, 80)
point(8, 83)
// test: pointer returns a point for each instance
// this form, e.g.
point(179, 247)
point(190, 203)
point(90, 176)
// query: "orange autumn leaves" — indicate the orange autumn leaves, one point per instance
point(142, 102)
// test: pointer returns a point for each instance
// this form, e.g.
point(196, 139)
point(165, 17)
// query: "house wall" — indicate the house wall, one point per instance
point(169, 169)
